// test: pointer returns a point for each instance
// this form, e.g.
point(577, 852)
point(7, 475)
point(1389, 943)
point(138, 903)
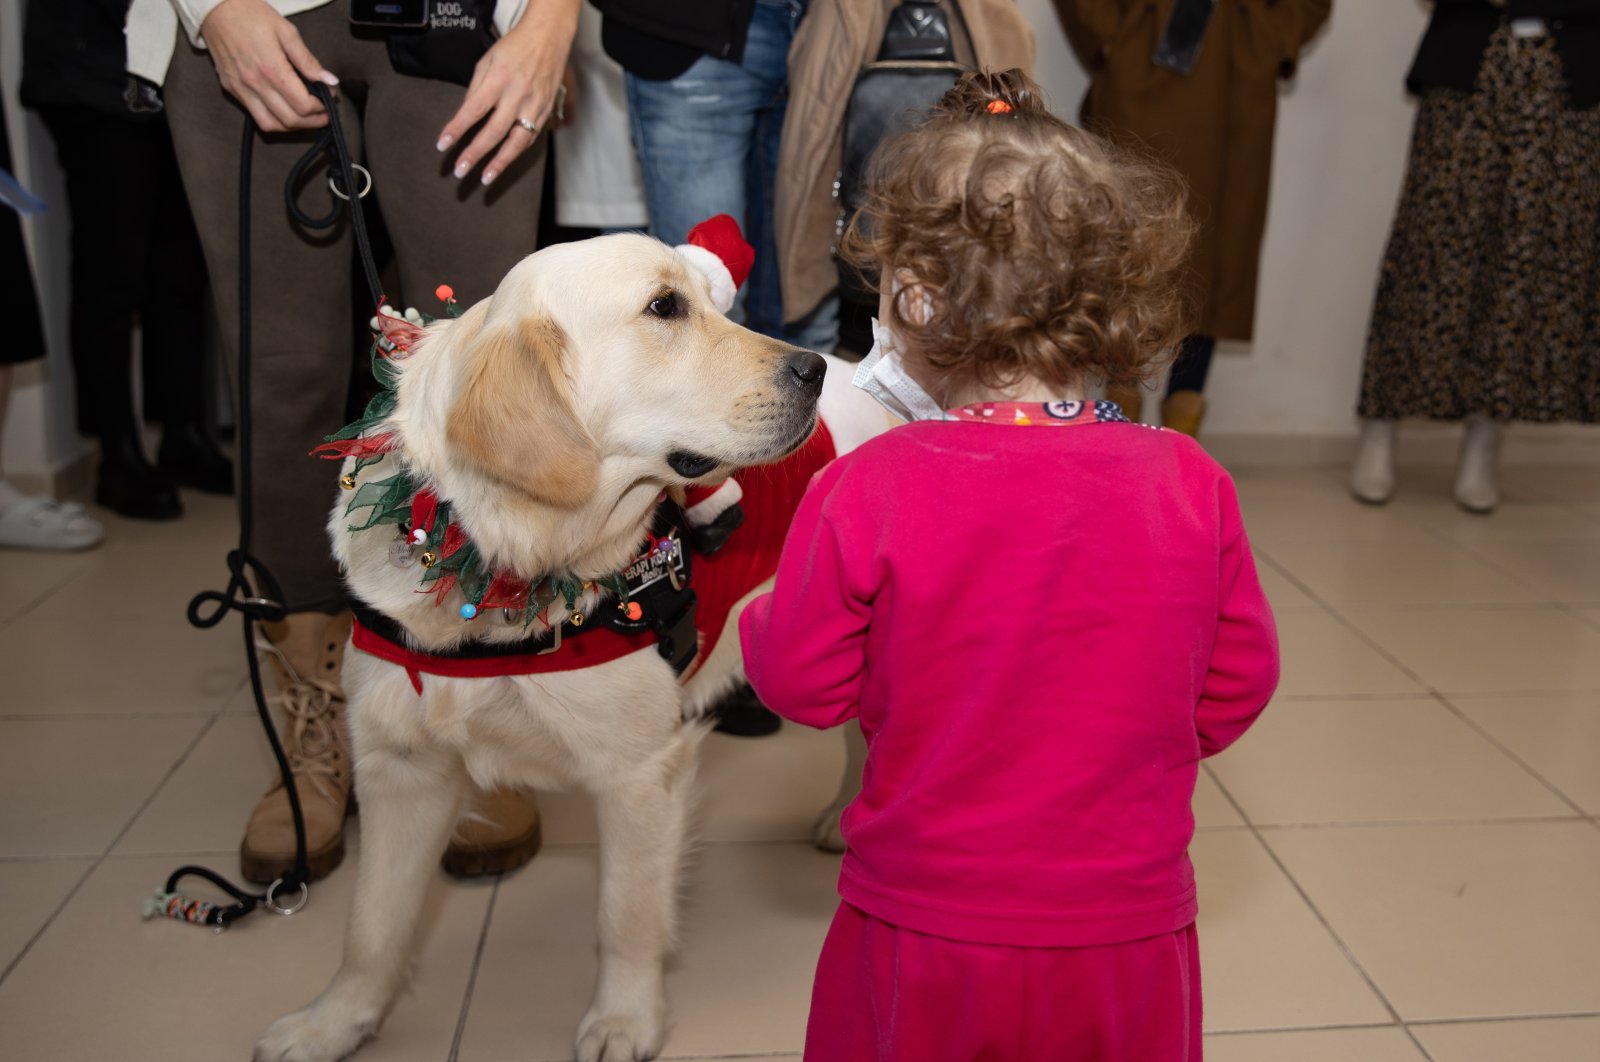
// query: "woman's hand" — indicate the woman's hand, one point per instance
point(516, 80)
point(260, 60)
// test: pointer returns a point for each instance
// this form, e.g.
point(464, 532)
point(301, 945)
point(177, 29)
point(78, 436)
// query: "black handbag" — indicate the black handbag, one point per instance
point(915, 67)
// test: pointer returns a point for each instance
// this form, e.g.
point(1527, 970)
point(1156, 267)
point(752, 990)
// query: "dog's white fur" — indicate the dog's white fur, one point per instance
point(545, 415)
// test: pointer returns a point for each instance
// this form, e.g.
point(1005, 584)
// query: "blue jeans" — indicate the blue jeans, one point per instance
point(708, 144)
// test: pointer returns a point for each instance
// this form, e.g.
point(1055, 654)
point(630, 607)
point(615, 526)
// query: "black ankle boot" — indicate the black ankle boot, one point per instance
point(742, 714)
point(192, 459)
point(130, 486)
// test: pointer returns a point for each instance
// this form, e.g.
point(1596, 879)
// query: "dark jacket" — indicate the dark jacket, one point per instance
point(1458, 34)
point(660, 39)
point(74, 55)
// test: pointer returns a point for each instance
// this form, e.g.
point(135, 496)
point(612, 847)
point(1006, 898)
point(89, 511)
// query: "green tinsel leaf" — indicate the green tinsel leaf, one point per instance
point(389, 499)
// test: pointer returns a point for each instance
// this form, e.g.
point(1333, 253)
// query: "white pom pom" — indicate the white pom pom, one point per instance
point(373, 324)
point(413, 315)
point(715, 270)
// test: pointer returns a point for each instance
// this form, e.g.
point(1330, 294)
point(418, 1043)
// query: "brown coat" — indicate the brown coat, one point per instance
point(834, 41)
point(1214, 125)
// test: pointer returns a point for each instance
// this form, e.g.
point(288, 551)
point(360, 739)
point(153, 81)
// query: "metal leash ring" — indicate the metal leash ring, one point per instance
point(277, 908)
point(365, 173)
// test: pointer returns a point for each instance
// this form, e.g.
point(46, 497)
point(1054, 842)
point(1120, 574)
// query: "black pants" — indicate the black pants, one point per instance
point(1192, 364)
point(135, 255)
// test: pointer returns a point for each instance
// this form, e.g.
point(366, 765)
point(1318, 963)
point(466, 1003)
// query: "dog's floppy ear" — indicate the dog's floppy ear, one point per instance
point(514, 419)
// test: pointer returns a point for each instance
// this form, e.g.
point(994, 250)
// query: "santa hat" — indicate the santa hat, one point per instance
point(718, 249)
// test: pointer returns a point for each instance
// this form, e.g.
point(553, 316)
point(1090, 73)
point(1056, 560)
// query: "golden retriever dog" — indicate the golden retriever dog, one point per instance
point(552, 417)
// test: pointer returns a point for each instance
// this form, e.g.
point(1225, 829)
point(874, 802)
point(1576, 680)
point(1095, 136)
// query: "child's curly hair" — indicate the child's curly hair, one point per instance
point(1048, 253)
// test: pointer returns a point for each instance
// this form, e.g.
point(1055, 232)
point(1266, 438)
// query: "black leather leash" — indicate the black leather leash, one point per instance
point(252, 591)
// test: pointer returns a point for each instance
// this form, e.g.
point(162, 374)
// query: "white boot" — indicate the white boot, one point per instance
point(1476, 489)
point(1372, 475)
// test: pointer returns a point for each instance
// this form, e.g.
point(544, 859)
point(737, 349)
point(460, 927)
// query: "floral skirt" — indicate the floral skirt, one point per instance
point(1489, 299)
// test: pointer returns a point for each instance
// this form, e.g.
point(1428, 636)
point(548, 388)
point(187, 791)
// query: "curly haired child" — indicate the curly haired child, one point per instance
point(1042, 615)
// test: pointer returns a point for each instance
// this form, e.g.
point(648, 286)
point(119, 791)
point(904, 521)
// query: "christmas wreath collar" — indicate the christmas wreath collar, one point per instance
point(426, 535)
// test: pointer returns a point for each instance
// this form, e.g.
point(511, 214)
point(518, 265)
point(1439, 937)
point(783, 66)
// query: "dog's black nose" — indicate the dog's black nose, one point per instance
point(808, 369)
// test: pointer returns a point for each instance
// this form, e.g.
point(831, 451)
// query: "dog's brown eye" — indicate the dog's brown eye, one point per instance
point(665, 306)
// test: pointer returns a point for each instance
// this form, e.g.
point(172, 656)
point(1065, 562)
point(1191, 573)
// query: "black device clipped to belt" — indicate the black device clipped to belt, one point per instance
point(437, 39)
point(252, 591)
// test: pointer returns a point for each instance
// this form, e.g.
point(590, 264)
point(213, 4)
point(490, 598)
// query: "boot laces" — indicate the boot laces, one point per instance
point(312, 708)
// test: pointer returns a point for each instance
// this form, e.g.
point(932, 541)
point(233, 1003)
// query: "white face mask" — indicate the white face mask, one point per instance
point(881, 375)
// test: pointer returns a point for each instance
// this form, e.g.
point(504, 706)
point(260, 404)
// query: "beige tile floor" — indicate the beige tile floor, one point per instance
point(1402, 862)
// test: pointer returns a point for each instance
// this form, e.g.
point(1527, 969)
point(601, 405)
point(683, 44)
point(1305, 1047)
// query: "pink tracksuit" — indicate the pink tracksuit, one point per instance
point(1043, 620)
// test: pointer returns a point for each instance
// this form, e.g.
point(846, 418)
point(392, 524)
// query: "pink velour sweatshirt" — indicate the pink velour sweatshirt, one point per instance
point(1041, 630)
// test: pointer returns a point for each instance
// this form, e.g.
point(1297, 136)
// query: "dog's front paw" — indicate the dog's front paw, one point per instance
point(618, 1038)
point(322, 1032)
point(825, 832)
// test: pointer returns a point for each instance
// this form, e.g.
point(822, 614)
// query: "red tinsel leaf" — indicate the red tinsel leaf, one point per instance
point(360, 446)
point(454, 539)
point(506, 591)
point(440, 587)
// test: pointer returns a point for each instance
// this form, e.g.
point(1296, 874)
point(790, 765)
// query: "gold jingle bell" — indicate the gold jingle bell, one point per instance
point(429, 559)
point(348, 481)
point(576, 619)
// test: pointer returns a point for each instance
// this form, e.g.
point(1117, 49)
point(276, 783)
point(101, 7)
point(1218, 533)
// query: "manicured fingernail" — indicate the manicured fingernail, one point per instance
point(462, 167)
point(489, 176)
point(329, 79)
point(445, 141)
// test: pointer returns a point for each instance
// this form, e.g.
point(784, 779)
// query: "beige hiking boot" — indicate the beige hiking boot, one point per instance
point(303, 654)
point(1183, 411)
point(499, 832)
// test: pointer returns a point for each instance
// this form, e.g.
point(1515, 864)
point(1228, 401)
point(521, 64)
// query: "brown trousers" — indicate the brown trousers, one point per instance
point(444, 231)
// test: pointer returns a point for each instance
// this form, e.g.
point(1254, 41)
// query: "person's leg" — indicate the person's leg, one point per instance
point(1132, 1002)
point(772, 29)
point(299, 311)
point(694, 137)
point(110, 235)
point(445, 230)
point(1185, 405)
point(173, 322)
point(884, 993)
point(300, 364)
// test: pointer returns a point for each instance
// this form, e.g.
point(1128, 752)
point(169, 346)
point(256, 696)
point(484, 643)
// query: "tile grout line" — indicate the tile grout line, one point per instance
point(454, 1054)
point(183, 758)
point(1305, 898)
point(1432, 691)
point(1450, 707)
point(1495, 1019)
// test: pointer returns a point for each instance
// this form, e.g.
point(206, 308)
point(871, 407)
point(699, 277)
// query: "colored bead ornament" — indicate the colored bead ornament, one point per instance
point(444, 292)
point(469, 611)
point(632, 611)
point(429, 559)
point(347, 481)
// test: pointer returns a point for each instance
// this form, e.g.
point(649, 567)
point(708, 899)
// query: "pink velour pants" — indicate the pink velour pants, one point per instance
point(887, 994)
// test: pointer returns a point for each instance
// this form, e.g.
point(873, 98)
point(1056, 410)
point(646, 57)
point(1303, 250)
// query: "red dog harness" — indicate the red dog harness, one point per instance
point(720, 580)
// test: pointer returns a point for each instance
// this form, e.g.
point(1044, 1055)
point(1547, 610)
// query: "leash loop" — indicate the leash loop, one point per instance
point(271, 898)
point(366, 176)
point(245, 573)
